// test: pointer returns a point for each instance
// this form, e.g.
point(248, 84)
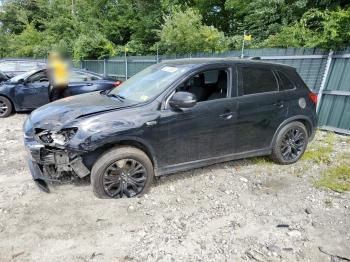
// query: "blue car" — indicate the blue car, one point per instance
point(31, 90)
point(3, 77)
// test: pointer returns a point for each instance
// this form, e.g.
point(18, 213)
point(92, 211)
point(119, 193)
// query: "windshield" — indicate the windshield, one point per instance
point(22, 76)
point(149, 83)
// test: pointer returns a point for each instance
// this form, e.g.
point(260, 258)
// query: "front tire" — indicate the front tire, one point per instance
point(122, 172)
point(5, 107)
point(290, 144)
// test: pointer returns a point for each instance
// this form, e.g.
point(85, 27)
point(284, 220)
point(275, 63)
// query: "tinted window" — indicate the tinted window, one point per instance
point(207, 85)
point(77, 76)
point(211, 76)
point(2, 76)
point(286, 83)
point(38, 77)
point(257, 80)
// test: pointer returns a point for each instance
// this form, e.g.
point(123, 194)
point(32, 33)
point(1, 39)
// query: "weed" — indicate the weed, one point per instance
point(320, 152)
point(336, 178)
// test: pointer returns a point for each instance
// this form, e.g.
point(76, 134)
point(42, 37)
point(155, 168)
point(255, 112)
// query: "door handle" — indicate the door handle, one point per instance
point(226, 115)
point(151, 123)
point(279, 104)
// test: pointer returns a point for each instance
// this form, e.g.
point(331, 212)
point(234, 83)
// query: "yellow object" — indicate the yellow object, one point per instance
point(58, 70)
point(247, 37)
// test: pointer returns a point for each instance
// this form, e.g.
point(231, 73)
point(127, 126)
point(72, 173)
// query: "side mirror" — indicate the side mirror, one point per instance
point(183, 100)
point(21, 81)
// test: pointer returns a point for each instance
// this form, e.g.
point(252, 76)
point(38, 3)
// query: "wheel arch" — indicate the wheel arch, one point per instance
point(6, 96)
point(90, 158)
point(14, 109)
point(303, 119)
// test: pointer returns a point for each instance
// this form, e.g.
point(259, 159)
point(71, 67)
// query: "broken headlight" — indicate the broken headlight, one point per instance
point(56, 137)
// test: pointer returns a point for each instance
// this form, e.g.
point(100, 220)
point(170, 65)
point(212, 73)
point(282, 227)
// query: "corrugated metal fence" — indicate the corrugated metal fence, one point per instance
point(326, 73)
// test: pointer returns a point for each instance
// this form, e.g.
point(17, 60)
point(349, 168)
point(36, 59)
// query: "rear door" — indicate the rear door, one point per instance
point(34, 92)
point(261, 107)
point(80, 83)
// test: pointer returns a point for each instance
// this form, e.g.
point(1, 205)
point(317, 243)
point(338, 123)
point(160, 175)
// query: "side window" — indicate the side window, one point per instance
point(256, 80)
point(2, 77)
point(207, 85)
point(79, 77)
point(38, 77)
point(285, 82)
point(211, 77)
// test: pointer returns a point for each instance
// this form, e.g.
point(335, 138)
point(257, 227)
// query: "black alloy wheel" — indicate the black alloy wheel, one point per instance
point(293, 143)
point(123, 171)
point(290, 143)
point(125, 177)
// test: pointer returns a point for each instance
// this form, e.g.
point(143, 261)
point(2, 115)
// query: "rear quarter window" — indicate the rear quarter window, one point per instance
point(255, 80)
point(285, 81)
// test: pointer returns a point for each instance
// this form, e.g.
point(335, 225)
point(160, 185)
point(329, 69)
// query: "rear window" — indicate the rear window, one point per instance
point(257, 80)
point(285, 82)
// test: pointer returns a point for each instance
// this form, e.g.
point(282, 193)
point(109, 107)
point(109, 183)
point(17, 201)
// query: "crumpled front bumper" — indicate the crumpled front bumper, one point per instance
point(33, 151)
point(40, 156)
point(38, 177)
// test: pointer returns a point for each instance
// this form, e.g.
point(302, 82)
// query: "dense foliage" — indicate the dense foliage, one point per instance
point(102, 28)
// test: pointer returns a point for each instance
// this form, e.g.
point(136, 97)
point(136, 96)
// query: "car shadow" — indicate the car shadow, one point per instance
point(233, 166)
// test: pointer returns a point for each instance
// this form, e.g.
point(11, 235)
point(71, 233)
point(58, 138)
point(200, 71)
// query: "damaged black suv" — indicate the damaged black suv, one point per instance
point(171, 117)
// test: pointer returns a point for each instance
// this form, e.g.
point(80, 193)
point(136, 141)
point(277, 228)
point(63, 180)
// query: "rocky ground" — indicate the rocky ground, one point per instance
point(247, 210)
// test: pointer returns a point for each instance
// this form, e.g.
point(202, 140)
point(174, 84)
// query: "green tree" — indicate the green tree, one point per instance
point(183, 32)
point(87, 46)
point(324, 29)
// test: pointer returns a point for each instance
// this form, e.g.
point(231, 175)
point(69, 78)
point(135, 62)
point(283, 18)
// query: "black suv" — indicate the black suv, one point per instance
point(170, 117)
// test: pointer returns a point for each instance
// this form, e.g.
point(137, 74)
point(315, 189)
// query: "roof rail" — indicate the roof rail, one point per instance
point(252, 57)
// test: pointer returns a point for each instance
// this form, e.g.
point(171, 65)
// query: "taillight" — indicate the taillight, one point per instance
point(313, 97)
point(117, 83)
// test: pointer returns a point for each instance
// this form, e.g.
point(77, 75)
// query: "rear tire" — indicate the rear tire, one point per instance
point(122, 172)
point(290, 143)
point(5, 107)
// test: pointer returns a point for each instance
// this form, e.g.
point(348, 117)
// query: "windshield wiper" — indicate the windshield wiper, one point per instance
point(120, 98)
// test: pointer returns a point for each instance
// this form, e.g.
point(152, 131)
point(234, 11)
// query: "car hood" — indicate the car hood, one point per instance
point(58, 114)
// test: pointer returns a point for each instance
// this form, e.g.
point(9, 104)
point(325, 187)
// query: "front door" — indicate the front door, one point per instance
point(203, 131)
point(34, 92)
point(80, 83)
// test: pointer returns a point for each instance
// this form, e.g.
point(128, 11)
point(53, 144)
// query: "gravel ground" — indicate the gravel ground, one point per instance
point(247, 210)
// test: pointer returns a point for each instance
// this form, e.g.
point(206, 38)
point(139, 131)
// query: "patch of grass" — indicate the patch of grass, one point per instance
point(320, 151)
point(336, 178)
